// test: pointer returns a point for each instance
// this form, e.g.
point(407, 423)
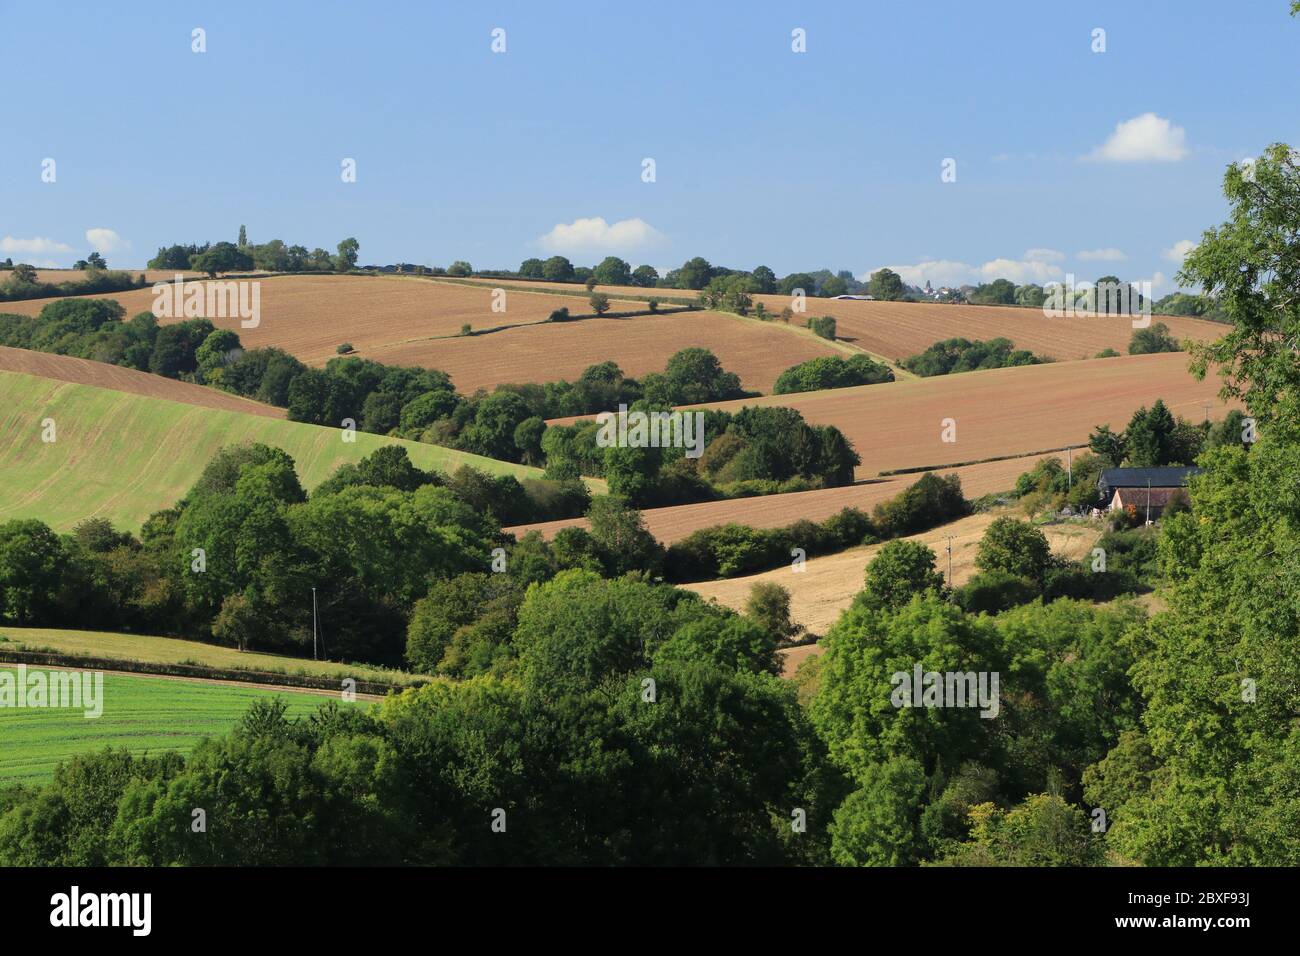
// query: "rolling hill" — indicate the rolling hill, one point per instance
point(757, 352)
point(311, 315)
point(673, 523)
point(414, 321)
point(999, 412)
point(1005, 411)
point(897, 330)
point(78, 371)
point(123, 456)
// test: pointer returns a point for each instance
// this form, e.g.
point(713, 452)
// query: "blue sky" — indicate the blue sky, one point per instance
point(827, 158)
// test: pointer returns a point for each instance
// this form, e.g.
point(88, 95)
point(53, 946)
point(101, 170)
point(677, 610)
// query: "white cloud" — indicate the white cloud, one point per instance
point(1044, 255)
point(105, 240)
point(1158, 282)
point(1019, 271)
point(946, 272)
point(1178, 251)
point(595, 235)
point(939, 272)
point(1100, 255)
point(1145, 138)
point(10, 244)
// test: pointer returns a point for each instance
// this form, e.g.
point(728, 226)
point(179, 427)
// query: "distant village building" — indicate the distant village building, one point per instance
point(940, 294)
point(1147, 490)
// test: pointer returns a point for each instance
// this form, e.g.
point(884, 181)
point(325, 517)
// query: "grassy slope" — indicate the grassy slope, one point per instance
point(171, 650)
point(123, 456)
point(141, 714)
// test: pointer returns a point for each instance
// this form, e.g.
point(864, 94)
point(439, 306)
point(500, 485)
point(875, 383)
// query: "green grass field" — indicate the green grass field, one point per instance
point(122, 457)
point(171, 650)
point(142, 714)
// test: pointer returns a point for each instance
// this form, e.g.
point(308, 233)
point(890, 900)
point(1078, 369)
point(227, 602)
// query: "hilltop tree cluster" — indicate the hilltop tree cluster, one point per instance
point(272, 256)
point(953, 356)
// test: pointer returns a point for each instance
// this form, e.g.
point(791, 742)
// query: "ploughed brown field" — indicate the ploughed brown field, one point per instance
point(1005, 411)
point(672, 524)
point(757, 352)
point(897, 330)
point(65, 368)
point(409, 321)
point(310, 316)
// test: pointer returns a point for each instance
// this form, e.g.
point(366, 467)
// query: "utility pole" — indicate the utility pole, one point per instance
point(1069, 469)
point(1206, 406)
point(1148, 501)
point(949, 561)
point(313, 624)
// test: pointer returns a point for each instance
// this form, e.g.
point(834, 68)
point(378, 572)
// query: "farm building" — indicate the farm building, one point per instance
point(1143, 488)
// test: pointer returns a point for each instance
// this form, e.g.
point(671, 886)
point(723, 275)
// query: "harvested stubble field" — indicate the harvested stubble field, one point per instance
point(672, 524)
point(897, 330)
point(827, 585)
point(1000, 412)
point(122, 456)
point(141, 714)
point(78, 371)
point(758, 353)
point(310, 316)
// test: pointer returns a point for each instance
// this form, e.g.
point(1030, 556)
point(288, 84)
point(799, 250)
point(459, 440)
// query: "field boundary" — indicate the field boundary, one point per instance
point(481, 284)
point(585, 316)
point(917, 469)
point(74, 370)
point(198, 672)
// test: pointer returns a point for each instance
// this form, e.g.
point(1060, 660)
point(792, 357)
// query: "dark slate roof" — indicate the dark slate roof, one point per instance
point(1112, 478)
